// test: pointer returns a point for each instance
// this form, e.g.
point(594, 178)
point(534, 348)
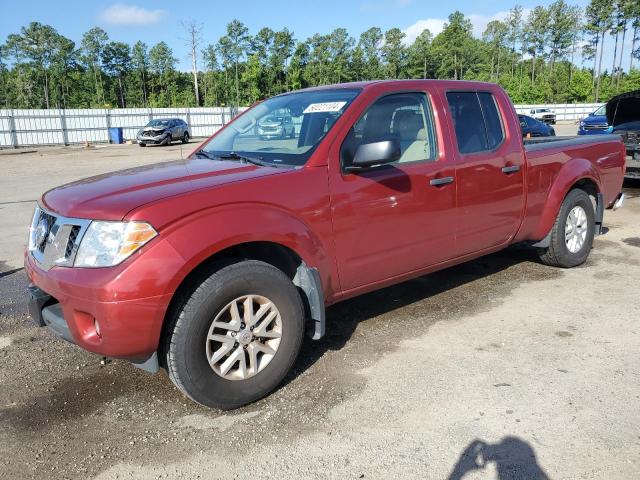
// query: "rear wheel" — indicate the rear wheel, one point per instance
point(185, 137)
point(237, 335)
point(572, 233)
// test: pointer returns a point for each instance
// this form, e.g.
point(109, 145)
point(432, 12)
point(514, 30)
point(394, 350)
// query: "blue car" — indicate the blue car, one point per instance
point(595, 123)
point(535, 128)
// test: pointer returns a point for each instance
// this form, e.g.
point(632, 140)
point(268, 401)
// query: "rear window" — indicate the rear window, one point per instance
point(476, 120)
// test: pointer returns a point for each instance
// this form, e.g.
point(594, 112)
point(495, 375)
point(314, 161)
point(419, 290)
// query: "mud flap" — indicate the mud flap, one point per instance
point(599, 214)
point(308, 280)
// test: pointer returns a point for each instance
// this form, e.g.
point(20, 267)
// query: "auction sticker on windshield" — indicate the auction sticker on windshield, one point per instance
point(324, 107)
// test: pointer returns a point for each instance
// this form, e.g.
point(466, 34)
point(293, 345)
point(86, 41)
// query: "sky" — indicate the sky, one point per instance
point(152, 22)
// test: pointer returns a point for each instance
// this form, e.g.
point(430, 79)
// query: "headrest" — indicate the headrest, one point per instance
point(407, 124)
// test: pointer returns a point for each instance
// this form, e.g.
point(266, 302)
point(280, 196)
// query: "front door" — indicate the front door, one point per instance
point(393, 219)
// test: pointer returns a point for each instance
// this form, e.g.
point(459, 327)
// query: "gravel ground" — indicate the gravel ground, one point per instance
point(499, 368)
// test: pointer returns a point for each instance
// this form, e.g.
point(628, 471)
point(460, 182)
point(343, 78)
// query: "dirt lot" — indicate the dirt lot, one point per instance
point(534, 368)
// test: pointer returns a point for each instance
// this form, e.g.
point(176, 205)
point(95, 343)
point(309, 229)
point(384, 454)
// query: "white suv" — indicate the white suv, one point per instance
point(545, 115)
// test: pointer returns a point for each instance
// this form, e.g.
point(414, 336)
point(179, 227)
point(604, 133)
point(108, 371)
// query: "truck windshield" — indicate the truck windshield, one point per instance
point(601, 110)
point(284, 130)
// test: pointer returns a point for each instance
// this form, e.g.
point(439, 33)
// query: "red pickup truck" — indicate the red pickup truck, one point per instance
point(213, 267)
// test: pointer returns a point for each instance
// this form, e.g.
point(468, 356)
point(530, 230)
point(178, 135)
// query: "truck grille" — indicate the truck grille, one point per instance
point(47, 220)
point(73, 236)
point(54, 239)
point(596, 126)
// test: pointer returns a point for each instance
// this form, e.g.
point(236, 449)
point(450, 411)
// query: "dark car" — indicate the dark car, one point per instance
point(535, 128)
point(163, 131)
point(623, 114)
point(278, 125)
point(595, 123)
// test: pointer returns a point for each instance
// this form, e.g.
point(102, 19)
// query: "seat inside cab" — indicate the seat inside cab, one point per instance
point(403, 117)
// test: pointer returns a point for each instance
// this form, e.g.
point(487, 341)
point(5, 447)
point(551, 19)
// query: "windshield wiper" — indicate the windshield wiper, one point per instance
point(244, 158)
point(203, 153)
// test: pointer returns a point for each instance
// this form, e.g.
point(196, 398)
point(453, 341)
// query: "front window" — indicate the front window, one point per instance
point(284, 130)
point(405, 117)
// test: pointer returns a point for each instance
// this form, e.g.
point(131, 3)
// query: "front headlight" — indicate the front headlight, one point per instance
point(582, 123)
point(106, 244)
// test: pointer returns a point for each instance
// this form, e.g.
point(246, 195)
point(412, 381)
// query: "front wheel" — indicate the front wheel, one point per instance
point(572, 233)
point(237, 335)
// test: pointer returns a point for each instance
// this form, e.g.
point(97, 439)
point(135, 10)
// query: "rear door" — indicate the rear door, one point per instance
point(489, 172)
point(393, 219)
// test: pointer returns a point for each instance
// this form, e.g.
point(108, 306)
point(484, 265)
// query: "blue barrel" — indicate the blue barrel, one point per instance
point(115, 135)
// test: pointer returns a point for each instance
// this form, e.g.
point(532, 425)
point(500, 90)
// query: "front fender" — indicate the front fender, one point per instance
point(571, 172)
point(205, 233)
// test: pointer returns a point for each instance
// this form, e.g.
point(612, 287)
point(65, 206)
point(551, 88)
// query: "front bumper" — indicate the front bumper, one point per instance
point(156, 140)
point(114, 312)
point(51, 315)
point(595, 131)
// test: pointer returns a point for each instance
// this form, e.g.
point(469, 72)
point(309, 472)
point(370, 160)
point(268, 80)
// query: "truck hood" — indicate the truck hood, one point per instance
point(595, 120)
point(624, 108)
point(111, 196)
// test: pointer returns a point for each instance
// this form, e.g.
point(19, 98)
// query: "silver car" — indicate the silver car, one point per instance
point(276, 126)
point(163, 131)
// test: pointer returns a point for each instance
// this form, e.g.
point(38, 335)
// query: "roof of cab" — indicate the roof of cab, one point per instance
point(368, 84)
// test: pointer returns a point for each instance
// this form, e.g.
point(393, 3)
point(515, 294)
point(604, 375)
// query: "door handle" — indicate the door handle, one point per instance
point(511, 169)
point(438, 182)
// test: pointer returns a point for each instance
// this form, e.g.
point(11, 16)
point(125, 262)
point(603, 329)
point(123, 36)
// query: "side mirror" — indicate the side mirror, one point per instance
point(376, 153)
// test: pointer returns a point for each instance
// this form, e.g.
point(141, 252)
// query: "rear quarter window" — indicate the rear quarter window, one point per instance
point(492, 120)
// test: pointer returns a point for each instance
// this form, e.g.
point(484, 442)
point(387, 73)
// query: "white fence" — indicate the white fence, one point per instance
point(23, 128)
point(563, 111)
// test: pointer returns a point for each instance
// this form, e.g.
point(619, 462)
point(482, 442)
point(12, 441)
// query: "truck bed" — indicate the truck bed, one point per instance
point(541, 143)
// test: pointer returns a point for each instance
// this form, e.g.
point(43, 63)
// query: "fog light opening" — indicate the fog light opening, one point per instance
point(96, 325)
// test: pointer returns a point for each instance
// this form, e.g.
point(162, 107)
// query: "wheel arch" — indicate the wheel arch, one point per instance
point(305, 278)
point(578, 173)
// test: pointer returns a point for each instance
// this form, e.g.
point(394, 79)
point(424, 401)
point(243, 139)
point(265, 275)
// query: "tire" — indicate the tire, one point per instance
point(142, 144)
point(567, 253)
point(188, 347)
point(166, 141)
point(185, 137)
